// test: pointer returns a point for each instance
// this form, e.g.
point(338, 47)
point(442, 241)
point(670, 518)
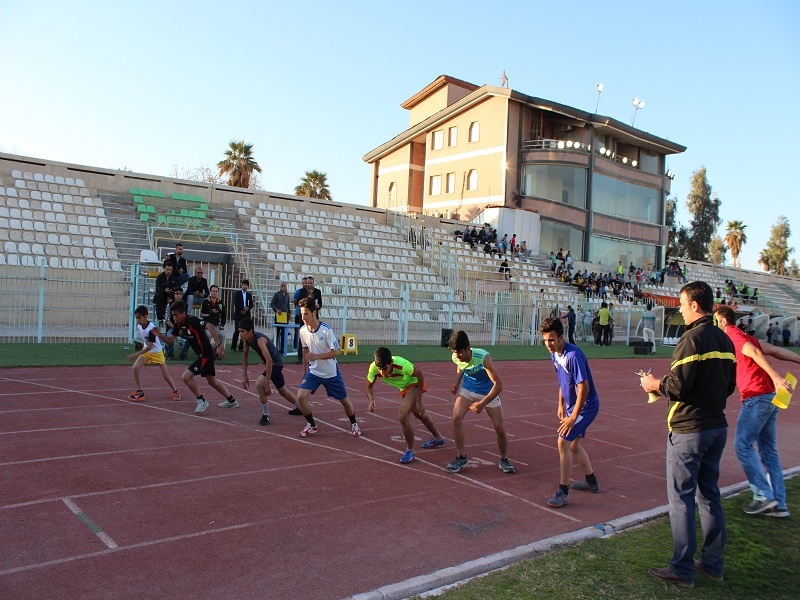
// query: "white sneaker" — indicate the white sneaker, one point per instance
point(227, 404)
point(355, 430)
point(202, 405)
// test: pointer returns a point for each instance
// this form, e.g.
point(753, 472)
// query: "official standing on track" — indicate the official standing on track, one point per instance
point(702, 376)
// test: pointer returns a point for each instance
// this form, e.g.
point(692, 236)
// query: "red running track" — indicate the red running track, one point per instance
point(104, 498)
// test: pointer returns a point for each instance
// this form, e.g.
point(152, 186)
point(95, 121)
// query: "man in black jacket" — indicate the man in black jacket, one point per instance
point(243, 303)
point(702, 376)
point(165, 285)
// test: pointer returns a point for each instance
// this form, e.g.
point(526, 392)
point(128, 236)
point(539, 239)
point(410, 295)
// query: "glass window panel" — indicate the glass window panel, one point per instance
point(436, 185)
point(556, 236)
point(555, 182)
point(438, 137)
point(609, 251)
point(619, 198)
point(452, 136)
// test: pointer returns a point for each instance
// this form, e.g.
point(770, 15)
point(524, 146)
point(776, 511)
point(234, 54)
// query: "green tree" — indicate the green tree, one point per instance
point(238, 164)
point(204, 173)
point(794, 270)
point(716, 250)
point(775, 256)
point(676, 246)
point(735, 237)
point(314, 184)
point(704, 209)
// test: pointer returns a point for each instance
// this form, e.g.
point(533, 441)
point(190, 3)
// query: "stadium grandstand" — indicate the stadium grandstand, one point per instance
point(81, 246)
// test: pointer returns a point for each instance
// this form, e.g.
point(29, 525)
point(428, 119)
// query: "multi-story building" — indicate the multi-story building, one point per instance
point(595, 185)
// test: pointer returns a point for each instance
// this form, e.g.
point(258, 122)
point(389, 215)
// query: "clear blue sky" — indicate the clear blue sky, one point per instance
point(316, 85)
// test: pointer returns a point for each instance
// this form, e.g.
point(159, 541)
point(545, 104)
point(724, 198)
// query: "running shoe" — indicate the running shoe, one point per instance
point(459, 463)
point(308, 430)
point(355, 430)
point(295, 412)
point(202, 405)
point(757, 507)
point(176, 395)
point(585, 486)
point(780, 513)
point(137, 396)
point(264, 420)
point(407, 457)
point(559, 500)
point(434, 443)
point(227, 404)
point(506, 466)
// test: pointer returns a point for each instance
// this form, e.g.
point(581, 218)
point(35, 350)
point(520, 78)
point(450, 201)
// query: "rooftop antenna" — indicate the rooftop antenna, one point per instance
point(504, 80)
point(599, 91)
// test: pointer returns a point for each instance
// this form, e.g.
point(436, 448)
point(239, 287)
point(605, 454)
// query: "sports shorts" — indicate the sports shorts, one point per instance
point(334, 386)
point(473, 397)
point(203, 367)
point(154, 358)
point(413, 385)
point(582, 424)
point(277, 377)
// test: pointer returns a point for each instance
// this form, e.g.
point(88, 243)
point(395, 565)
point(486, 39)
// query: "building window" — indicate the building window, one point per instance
point(472, 180)
point(474, 132)
point(452, 136)
point(437, 139)
point(451, 183)
point(557, 183)
point(435, 185)
point(624, 199)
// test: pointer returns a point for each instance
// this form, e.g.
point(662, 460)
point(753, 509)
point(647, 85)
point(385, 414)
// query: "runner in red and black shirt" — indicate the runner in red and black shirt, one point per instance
point(202, 337)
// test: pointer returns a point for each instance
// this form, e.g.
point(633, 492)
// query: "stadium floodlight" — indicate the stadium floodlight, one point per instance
point(637, 106)
point(599, 91)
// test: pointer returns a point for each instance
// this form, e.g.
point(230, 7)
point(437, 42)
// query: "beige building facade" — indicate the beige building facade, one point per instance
point(598, 185)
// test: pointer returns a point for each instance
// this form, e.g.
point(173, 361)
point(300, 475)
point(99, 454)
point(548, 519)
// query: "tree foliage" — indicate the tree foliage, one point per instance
point(716, 250)
point(794, 269)
point(775, 256)
point(314, 184)
point(678, 234)
point(735, 237)
point(203, 173)
point(238, 164)
point(704, 209)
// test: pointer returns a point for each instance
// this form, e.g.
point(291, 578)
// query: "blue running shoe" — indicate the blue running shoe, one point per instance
point(559, 500)
point(434, 443)
point(407, 457)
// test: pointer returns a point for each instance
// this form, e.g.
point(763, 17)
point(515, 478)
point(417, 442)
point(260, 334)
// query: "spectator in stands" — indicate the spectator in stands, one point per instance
point(523, 250)
point(299, 321)
point(649, 325)
point(196, 289)
point(489, 249)
point(754, 296)
point(611, 323)
point(775, 339)
point(467, 238)
point(179, 267)
point(280, 308)
point(512, 244)
point(312, 292)
point(553, 261)
point(631, 272)
point(571, 320)
point(568, 264)
point(243, 303)
point(213, 311)
point(177, 296)
point(504, 269)
point(750, 328)
point(620, 269)
point(787, 335)
point(165, 285)
point(482, 237)
point(502, 245)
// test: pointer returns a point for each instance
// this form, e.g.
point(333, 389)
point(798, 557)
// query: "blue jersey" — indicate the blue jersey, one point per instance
point(572, 368)
point(476, 379)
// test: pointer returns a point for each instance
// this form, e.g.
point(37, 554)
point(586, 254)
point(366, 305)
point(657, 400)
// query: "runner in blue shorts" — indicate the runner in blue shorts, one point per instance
point(578, 405)
point(320, 349)
point(266, 350)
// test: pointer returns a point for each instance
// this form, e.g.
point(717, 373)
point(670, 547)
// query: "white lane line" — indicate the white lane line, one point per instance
point(94, 527)
point(641, 472)
point(84, 427)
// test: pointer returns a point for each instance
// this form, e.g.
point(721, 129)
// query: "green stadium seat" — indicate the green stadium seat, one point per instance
point(141, 208)
point(138, 200)
point(204, 206)
point(201, 214)
point(162, 219)
point(134, 191)
point(176, 196)
point(144, 217)
point(151, 210)
point(159, 194)
point(213, 225)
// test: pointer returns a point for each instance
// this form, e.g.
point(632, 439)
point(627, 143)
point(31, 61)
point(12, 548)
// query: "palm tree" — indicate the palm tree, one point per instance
point(314, 185)
point(735, 238)
point(238, 164)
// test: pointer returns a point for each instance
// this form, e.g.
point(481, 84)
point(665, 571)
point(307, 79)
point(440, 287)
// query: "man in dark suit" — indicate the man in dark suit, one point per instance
point(308, 291)
point(243, 302)
point(180, 270)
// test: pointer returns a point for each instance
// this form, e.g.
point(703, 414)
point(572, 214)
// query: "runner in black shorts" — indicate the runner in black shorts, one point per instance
point(196, 333)
point(270, 356)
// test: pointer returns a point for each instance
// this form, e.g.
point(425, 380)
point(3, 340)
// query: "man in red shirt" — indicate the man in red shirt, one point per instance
point(757, 423)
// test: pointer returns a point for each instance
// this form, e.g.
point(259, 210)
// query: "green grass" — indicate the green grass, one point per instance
point(96, 354)
point(762, 560)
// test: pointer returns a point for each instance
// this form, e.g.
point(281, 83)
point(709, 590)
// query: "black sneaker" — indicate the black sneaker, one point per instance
point(264, 420)
point(296, 412)
point(759, 506)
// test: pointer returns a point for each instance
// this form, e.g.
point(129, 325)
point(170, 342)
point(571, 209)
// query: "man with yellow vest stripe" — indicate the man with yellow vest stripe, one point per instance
point(702, 376)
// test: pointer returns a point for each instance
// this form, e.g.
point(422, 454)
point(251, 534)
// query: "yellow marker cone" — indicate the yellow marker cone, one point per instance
point(782, 397)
